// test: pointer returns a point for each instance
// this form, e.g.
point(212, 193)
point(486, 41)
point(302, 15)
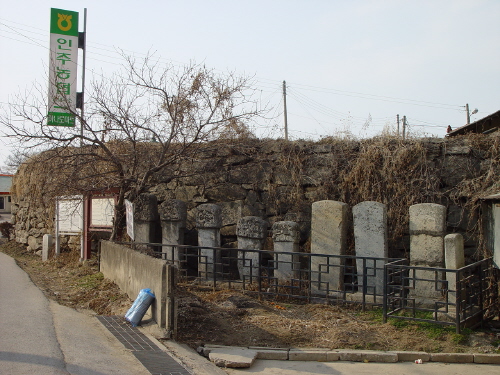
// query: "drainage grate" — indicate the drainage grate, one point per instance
point(153, 358)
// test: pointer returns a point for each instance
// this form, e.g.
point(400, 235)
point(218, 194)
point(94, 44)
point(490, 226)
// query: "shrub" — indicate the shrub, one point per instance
point(6, 229)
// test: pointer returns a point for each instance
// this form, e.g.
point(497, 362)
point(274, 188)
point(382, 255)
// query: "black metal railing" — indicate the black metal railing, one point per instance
point(292, 275)
point(465, 297)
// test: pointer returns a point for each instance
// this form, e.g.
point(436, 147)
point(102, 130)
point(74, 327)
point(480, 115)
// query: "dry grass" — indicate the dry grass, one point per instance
point(69, 282)
point(232, 318)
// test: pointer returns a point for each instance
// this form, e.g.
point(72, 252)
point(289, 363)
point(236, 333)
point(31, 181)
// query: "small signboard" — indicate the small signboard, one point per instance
point(69, 215)
point(102, 212)
point(63, 67)
point(129, 216)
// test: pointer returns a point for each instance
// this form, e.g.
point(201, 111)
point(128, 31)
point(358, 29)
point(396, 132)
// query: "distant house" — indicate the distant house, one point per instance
point(5, 197)
point(486, 125)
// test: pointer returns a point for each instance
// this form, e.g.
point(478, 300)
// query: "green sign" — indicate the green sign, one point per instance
point(64, 22)
point(63, 67)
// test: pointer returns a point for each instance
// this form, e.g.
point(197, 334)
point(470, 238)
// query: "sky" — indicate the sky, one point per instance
point(350, 66)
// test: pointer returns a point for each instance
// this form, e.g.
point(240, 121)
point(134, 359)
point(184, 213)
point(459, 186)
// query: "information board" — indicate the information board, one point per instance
point(102, 212)
point(69, 214)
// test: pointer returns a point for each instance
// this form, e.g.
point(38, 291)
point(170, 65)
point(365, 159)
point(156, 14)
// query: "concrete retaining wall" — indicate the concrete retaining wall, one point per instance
point(133, 271)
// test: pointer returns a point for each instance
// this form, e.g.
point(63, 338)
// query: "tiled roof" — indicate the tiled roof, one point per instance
point(5, 183)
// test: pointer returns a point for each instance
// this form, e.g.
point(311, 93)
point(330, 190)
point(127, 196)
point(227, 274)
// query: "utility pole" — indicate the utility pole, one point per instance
point(467, 113)
point(285, 114)
point(397, 117)
point(404, 127)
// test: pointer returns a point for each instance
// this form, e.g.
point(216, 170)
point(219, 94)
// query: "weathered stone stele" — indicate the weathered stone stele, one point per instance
point(286, 236)
point(454, 258)
point(208, 222)
point(251, 232)
point(173, 213)
point(46, 245)
point(370, 236)
point(329, 224)
point(145, 218)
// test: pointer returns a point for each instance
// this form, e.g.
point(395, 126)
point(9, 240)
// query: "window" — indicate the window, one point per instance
point(2, 203)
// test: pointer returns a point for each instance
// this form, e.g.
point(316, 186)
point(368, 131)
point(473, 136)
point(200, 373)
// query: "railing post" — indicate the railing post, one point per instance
point(259, 276)
point(214, 267)
point(458, 298)
point(384, 303)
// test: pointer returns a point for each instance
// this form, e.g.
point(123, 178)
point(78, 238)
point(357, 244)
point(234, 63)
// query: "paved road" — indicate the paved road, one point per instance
point(38, 336)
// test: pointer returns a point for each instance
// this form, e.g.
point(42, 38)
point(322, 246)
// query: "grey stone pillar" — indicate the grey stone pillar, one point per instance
point(208, 222)
point(370, 237)
point(286, 236)
point(329, 223)
point(145, 218)
point(46, 245)
point(251, 232)
point(427, 229)
point(173, 214)
point(454, 257)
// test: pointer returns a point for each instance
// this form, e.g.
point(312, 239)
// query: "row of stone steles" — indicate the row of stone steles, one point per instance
point(429, 245)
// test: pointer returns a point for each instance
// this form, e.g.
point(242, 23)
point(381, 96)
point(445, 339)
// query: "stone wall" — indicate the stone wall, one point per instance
point(279, 181)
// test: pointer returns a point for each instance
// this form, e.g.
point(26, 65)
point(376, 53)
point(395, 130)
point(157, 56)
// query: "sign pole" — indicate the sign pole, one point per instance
point(87, 199)
point(84, 53)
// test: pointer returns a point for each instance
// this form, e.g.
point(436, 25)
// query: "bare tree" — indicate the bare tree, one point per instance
point(137, 122)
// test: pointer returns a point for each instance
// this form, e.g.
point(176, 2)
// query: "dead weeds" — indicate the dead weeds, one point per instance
point(70, 282)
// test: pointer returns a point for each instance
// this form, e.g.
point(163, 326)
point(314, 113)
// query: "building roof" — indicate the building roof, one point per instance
point(5, 183)
point(485, 125)
point(493, 197)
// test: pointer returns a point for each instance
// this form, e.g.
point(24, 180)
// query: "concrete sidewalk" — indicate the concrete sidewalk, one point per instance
point(41, 337)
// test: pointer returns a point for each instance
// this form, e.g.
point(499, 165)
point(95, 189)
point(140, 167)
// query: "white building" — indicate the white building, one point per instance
point(5, 197)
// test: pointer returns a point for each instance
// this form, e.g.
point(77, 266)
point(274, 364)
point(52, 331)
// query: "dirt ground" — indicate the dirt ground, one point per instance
point(233, 318)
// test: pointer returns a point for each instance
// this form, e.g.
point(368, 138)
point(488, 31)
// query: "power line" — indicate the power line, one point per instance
point(272, 81)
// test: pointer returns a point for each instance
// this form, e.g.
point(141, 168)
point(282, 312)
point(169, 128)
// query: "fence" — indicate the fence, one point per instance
point(465, 297)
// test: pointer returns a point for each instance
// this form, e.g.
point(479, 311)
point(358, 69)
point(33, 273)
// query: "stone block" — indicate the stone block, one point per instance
point(232, 357)
point(367, 355)
point(487, 358)
point(173, 210)
point(145, 208)
point(319, 355)
point(412, 356)
point(452, 357)
point(34, 244)
point(332, 356)
point(286, 231)
point(272, 354)
point(251, 227)
point(428, 218)
point(426, 250)
point(208, 215)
